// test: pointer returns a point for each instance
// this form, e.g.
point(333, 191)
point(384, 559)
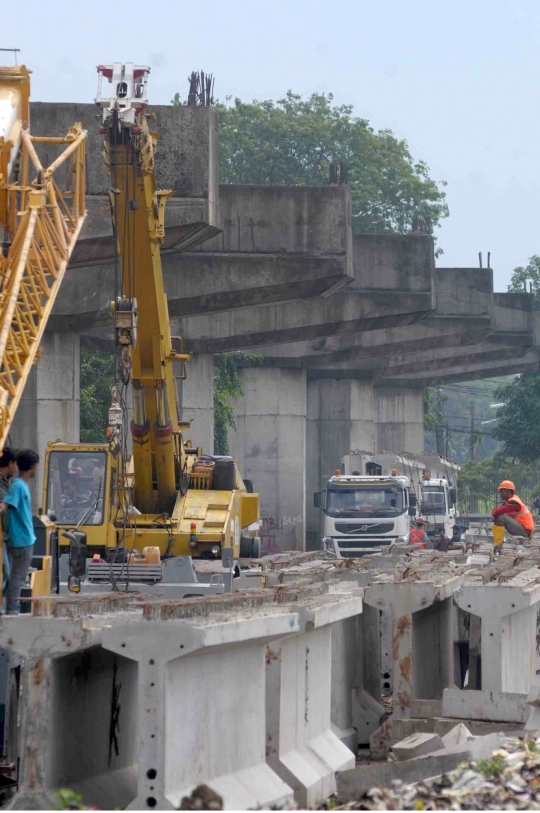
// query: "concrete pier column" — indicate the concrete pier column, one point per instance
point(196, 399)
point(270, 446)
point(341, 415)
point(399, 419)
point(50, 405)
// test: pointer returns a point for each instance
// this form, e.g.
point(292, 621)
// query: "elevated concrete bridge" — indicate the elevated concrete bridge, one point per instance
point(351, 327)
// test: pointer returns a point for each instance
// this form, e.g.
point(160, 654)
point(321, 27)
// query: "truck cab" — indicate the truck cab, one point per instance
point(363, 513)
point(438, 505)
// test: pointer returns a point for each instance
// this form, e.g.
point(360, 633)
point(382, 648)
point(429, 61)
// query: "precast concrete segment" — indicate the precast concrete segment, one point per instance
point(64, 671)
point(509, 613)
point(301, 746)
point(284, 258)
point(469, 372)
point(305, 319)
point(421, 622)
point(214, 649)
point(186, 163)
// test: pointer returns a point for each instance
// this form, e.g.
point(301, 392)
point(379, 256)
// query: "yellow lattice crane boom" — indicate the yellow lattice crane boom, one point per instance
point(42, 210)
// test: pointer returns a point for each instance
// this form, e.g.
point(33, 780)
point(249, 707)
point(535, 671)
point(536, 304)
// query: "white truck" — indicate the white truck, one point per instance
point(438, 494)
point(369, 502)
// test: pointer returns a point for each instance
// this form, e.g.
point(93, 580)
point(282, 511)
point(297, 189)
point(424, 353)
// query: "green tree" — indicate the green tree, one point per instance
point(297, 141)
point(477, 483)
point(518, 426)
point(526, 278)
point(97, 378)
point(227, 387)
point(433, 411)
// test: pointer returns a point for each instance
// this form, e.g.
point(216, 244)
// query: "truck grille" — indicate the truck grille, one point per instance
point(348, 544)
point(364, 528)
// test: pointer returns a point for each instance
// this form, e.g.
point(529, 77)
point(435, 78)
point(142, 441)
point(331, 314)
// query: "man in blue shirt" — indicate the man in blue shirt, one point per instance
point(20, 527)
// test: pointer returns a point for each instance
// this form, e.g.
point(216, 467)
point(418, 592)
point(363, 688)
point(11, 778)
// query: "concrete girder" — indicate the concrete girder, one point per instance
point(198, 282)
point(380, 354)
point(346, 312)
point(436, 359)
point(473, 372)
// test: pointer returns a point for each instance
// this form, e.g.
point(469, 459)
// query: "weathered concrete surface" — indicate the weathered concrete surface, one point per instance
point(270, 445)
point(416, 745)
point(509, 617)
point(506, 707)
point(50, 404)
point(301, 747)
point(196, 401)
point(277, 243)
point(186, 163)
point(393, 261)
point(360, 780)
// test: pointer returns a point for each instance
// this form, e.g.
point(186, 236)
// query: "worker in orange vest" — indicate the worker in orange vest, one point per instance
point(513, 515)
point(417, 534)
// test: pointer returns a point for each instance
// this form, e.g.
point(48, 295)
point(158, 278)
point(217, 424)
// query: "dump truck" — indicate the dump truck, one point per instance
point(370, 500)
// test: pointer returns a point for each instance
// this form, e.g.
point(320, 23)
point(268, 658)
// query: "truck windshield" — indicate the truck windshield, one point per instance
point(367, 501)
point(433, 500)
point(76, 486)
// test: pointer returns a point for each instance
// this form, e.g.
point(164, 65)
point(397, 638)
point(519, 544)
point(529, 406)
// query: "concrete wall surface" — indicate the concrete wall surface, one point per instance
point(270, 445)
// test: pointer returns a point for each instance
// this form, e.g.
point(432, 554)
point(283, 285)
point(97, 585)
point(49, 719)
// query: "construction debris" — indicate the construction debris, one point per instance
point(509, 780)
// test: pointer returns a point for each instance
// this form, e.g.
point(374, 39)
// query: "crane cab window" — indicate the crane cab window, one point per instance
point(76, 487)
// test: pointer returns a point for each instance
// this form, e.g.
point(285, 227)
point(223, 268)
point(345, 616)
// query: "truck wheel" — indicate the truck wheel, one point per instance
point(250, 547)
point(11, 737)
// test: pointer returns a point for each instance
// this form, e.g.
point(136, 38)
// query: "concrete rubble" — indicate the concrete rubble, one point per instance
point(507, 779)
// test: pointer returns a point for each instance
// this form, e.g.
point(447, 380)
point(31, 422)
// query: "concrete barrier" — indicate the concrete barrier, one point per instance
point(69, 688)
point(301, 746)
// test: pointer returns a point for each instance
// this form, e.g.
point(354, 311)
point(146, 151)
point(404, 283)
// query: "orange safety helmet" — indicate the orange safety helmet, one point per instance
point(507, 484)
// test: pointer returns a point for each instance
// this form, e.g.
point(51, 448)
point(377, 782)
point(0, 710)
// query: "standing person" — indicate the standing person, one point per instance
point(513, 515)
point(8, 470)
point(417, 534)
point(17, 503)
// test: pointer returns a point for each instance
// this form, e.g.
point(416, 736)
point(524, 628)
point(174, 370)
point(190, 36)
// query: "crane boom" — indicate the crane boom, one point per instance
point(41, 217)
point(138, 211)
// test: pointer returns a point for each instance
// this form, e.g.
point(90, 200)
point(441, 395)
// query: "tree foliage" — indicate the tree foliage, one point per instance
point(295, 141)
point(526, 278)
point(518, 426)
point(97, 378)
point(433, 409)
point(477, 483)
point(227, 387)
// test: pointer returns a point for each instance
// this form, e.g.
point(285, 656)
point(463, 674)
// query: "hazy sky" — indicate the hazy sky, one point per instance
point(459, 80)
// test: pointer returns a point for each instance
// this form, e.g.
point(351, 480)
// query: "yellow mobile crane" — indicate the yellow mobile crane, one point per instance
point(168, 495)
point(42, 211)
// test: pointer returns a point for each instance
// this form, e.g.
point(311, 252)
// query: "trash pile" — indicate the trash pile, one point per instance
point(509, 780)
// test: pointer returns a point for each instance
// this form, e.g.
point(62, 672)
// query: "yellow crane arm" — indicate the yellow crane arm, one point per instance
point(41, 217)
point(141, 312)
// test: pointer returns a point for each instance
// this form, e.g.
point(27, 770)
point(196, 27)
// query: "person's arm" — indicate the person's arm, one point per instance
point(407, 537)
point(506, 508)
point(425, 537)
point(3, 507)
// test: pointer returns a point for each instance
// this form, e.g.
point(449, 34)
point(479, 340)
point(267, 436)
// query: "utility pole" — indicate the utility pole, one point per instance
point(472, 444)
point(439, 428)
